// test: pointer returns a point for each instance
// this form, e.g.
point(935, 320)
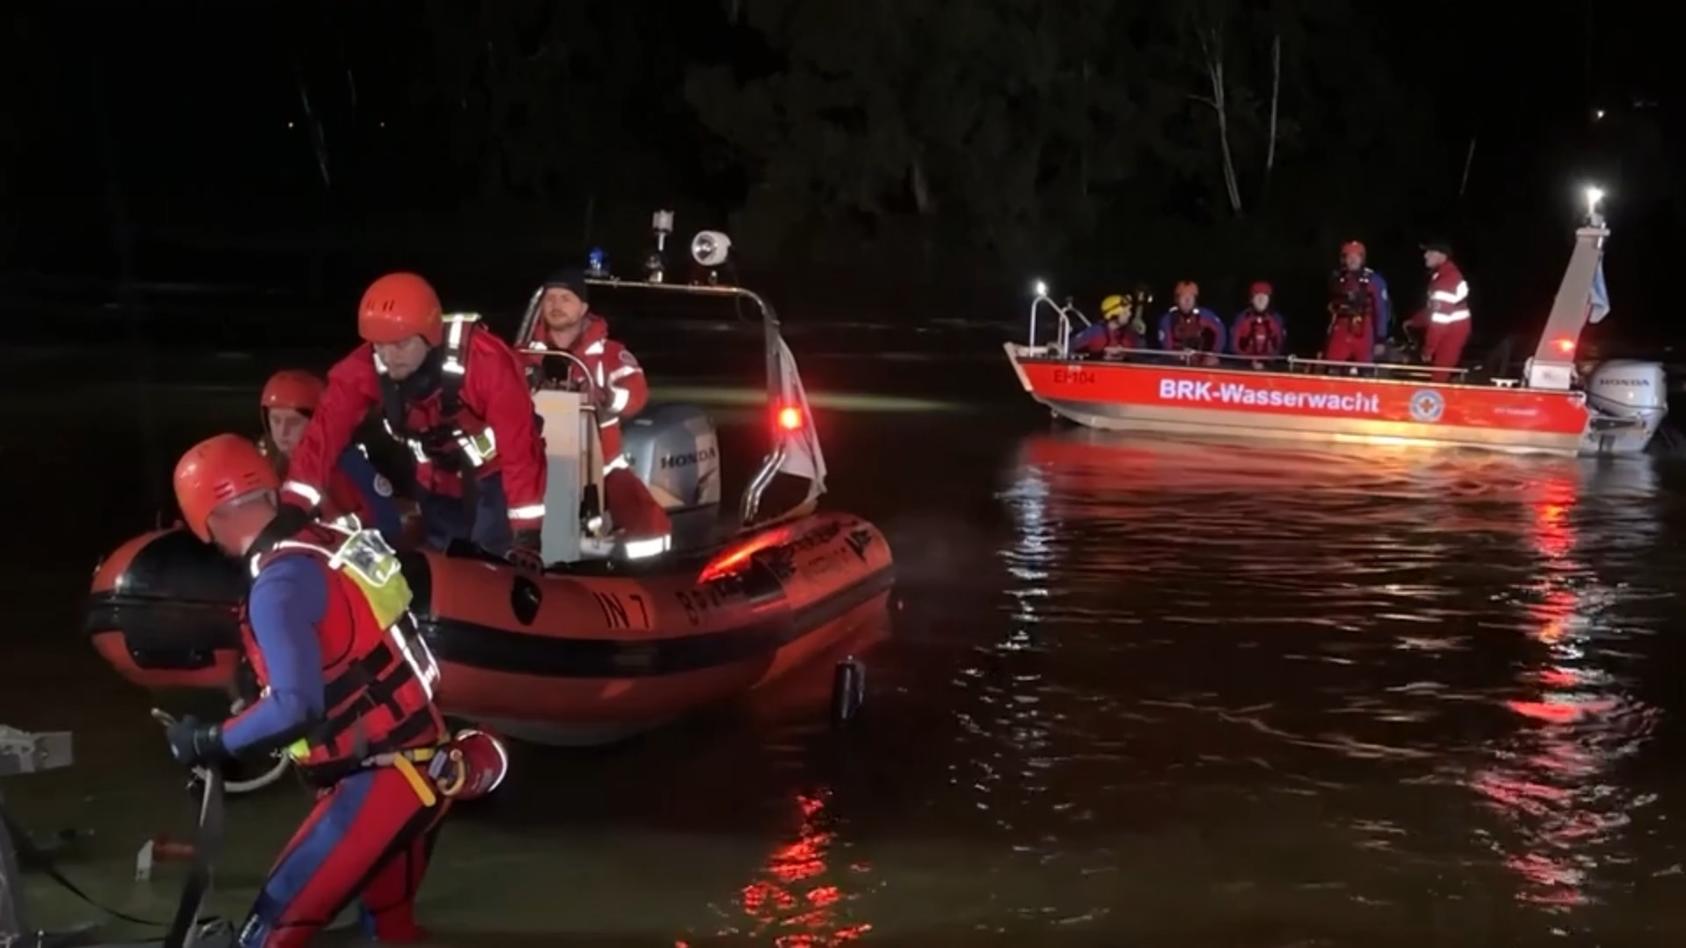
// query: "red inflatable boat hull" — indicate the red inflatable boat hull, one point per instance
point(567, 658)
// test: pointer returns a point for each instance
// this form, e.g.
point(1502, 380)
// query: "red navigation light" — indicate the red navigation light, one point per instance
point(790, 418)
point(1566, 345)
point(737, 558)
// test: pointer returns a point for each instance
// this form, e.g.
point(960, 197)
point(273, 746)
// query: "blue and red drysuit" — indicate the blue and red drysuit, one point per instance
point(1199, 330)
point(356, 487)
point(353, 692)
point(1099, 337)
point(1360, 313)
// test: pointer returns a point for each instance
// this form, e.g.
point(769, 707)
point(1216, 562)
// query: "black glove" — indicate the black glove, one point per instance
point(192, 743)
point(525, 552)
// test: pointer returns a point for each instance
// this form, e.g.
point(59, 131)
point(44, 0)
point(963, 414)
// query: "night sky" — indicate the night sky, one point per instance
point(909, 158)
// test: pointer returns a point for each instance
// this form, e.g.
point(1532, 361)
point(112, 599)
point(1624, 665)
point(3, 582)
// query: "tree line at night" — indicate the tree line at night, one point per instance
point(914, 152)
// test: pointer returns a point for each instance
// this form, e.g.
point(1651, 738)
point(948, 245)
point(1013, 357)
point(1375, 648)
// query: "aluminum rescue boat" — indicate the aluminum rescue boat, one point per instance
point(600, 646)
point(1556, 406)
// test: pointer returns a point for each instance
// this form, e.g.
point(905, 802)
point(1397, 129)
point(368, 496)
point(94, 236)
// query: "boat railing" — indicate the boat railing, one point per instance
point(1064, 314)
point(539, 381)
point(1287, 363)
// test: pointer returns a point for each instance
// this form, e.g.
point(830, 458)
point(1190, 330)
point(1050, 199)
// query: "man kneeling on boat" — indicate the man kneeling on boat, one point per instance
point(457, 396)
point(347, 690)
point(617, 382)
point(1121, 328)
point(1188, 327)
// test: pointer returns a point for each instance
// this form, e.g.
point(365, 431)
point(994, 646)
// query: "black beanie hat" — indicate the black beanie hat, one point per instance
point(571, 278)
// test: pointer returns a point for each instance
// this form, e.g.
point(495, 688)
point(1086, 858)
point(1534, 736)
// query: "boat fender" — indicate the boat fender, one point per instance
point(473, 766)
point(848, 690)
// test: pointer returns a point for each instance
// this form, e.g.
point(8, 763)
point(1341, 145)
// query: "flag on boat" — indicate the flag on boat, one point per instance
point(1599, 297)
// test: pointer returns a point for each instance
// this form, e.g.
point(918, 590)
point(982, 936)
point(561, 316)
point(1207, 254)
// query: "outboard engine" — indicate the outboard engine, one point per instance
point(1628, 399)
point(675, 452)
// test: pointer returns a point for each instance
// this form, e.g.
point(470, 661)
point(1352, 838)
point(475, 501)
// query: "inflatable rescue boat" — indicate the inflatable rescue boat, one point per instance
point(1558, 406)
point(600, 646)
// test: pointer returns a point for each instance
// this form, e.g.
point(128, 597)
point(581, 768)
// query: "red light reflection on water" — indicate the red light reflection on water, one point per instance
point(792, 898)
point(1547, 782)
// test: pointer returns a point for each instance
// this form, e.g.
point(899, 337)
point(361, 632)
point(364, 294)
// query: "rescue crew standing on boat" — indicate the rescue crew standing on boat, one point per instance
point(1258, 331)
point(1190, 327)
point(1121, 327)
point(457, 396)
point(617, 381)
point(286, 405)
point(1445, 321)
point(348, 690)
point(1360, 310)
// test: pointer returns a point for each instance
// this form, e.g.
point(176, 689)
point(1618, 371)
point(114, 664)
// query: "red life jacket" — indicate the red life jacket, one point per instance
point(454, 437)
point(1258, 335)
point(1188, 331)
point(1352, 299)
point(378, 674)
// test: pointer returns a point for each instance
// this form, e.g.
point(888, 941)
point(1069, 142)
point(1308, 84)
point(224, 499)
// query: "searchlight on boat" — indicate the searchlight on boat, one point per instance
point(1594, 196)
point(1040, 288)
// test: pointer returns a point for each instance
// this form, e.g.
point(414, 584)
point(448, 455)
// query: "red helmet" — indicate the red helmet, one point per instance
point(291, 388)
point(216, 470)
point(1187, 286)
point(398, 306)
point(1260, 286)
point(1353, 246)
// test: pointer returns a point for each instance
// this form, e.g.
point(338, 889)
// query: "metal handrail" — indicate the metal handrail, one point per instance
point(1063, 335)
point(1293, 363)
point(590, 383)
point(1390, 366)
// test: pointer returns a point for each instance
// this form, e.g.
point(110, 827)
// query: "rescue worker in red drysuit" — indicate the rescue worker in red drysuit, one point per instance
point(288, 401)
point(1445, 321)
point(1120, 328)
point(1360, 311)
point(457, 396)
point(348, 690)
point(566, 324)
point(1189, 327)
point(1258, 331)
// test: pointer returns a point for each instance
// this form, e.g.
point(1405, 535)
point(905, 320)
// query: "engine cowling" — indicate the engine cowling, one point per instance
point(675, 451)
point(1628, 388)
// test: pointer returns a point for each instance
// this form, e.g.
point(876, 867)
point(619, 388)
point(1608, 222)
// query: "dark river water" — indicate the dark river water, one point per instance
point(1135, 692)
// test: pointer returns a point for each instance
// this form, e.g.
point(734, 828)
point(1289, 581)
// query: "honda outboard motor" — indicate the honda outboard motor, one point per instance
point(674, 450)
point(1628, 399)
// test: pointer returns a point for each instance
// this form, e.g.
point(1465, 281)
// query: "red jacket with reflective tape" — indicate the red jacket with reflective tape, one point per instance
point(493, 397)
point(377, 679)
point(622, 390)
point(1448, 298)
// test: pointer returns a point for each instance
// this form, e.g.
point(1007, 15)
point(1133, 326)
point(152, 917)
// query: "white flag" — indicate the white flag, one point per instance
point(802, 455)
point(1599, 297)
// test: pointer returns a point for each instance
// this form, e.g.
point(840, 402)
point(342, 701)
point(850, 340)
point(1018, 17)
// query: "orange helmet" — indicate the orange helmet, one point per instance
point(1353, 246)
point(216, 470)
point(398, 306)
point(291, 388)
point(1187, 286)
point(1260, 286)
